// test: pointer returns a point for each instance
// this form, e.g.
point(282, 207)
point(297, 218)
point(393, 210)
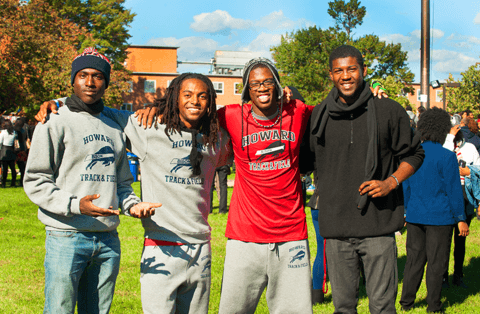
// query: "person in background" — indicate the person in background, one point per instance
point(473, 126)
point(433, 204)
point(22, 152)
point(467, 155)
point(469, 136)
point(420, 110)
point(222, 191)
point(7, 152)
point(412, 116)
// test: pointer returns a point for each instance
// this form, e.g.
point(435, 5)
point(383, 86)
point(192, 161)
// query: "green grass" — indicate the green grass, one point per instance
point(22, 251)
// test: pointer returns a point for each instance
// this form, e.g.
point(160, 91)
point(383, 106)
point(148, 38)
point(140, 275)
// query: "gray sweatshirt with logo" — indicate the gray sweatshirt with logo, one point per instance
point(73, 155)
point(167, 178)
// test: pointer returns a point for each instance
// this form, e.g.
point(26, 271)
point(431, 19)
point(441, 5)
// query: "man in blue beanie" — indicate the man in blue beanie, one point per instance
point(78, 175)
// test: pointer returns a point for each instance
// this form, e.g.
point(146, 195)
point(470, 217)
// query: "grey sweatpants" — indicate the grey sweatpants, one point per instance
point(283, 268)
point(176, 279)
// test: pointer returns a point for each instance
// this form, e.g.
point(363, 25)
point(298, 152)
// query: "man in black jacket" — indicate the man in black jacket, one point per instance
point(363, 150)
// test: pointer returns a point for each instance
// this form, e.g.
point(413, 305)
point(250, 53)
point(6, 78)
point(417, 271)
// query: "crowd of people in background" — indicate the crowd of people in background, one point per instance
point(15, 139)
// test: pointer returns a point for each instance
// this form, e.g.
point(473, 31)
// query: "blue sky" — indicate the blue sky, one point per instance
point(199, 28)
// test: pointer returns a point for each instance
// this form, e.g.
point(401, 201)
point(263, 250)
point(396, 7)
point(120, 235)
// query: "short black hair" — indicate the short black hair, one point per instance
point(408, 107)
point(434, 125)
point(345, 51)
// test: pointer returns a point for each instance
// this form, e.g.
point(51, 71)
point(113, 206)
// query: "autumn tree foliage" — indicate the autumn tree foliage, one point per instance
point(106, 21)
point(302, 56)
point(37, 47)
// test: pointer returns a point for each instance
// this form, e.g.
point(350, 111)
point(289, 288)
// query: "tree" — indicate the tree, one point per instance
point(349, 15)
point(396, 90)
point(302, 59)
point(467, 96)
point(107, 22)
point(37, 48)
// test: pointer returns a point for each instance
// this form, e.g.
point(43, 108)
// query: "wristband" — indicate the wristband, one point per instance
point(57, 103)
point(396, 180)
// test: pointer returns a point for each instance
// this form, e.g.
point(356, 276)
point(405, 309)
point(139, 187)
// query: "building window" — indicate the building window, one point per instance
point(418, 94)
point(218, 87)
point(168, 83)
point(130, 86)
point(126, 107)
point(149, 86)
point(236, 88)
point(438, 96)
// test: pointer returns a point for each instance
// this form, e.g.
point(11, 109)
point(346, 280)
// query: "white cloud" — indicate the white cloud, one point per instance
point(434, 33)
point(193, 48)
point(462, 41)
point(221, 22)
point(218, 22)
point(278, 21)
point(448, 61)
point(262, 44)
point(476, 20)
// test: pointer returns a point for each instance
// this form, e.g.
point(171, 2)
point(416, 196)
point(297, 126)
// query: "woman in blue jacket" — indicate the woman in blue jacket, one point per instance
point(433, 205)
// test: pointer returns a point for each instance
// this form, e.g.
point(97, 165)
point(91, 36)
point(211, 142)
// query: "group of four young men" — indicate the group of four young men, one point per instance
point(363, 149)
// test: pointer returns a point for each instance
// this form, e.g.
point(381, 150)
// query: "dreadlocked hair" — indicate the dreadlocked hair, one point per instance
point(168, 109)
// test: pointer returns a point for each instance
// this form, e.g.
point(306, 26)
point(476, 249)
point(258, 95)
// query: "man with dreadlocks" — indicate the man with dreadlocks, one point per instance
point(178, 161)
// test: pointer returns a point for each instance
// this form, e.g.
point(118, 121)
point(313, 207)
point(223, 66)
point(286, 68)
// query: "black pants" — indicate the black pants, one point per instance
point(458, 251)
point(426, 243)
point(379, 258)
point(222, 178)
point(21, 166)
point(5, 165)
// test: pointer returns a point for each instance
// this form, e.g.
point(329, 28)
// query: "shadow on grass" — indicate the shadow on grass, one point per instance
point(457, 295)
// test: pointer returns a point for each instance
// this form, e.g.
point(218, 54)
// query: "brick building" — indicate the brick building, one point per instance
point(154, 67)
point(436, 96)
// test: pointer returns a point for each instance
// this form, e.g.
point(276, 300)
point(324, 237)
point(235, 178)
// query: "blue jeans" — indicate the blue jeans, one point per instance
point(80, 267)
point(318, 269)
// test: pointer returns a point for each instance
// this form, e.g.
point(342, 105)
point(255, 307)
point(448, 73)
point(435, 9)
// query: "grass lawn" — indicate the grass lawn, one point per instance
point(22, 252)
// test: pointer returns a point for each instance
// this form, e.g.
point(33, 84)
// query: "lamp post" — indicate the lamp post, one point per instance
point(425, 54)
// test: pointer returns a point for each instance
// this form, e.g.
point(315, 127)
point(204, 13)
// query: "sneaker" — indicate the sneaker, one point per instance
point(311, 188)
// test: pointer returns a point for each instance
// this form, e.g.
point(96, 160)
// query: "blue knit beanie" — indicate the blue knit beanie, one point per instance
point(90, 58)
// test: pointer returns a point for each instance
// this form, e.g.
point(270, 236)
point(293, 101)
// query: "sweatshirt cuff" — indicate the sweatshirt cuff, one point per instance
point(75, 206)
point(127, 205)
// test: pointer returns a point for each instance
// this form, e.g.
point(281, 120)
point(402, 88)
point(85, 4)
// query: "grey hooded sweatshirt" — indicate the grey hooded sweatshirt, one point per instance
point(73, 155)
point(167, 178)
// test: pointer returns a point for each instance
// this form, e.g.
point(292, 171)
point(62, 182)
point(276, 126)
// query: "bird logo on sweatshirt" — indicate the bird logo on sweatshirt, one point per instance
point(105, 155)
point(299, 256)
point(180, 163)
